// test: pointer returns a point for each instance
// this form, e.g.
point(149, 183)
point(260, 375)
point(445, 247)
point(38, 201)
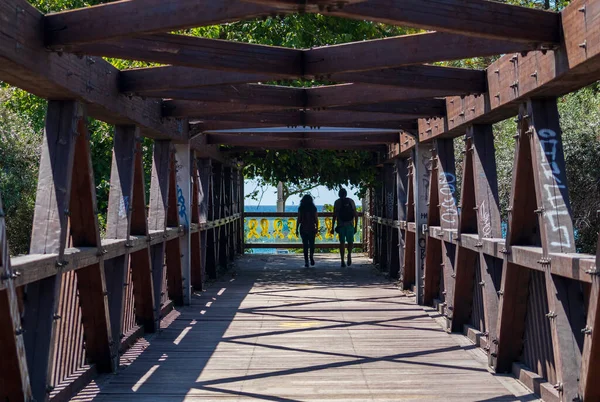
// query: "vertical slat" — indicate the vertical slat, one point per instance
point(410, 262)
point(114, 272)
point(49, 236)
point(183, 158)
point(204, 170)
point(197, 278)
point(14, 374)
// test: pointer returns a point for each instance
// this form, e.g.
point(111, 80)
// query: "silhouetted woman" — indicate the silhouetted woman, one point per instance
point(308, 224)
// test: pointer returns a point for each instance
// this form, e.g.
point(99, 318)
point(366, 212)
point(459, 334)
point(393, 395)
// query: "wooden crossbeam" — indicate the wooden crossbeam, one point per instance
point(254, 97)
point(152, 81)
point(312, 119)
point(129, 17)
point(193, 51)
point(420, 76)
point(403, 50)
point(479, 18)
point(373, 137)
point(294, 144)
point(144, 81)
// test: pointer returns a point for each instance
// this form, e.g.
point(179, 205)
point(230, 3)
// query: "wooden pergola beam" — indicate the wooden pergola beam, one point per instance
point(480, 18)
point(132, 17)
point(254, 97)
point(191, 51)
point(146, 81)
point(215, 139)
point(405, 50)
point(201, 126)
point(310, 118)
point(369, 137)
point(515, 78)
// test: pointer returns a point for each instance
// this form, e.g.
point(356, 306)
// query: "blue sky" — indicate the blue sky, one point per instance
point(321, 195)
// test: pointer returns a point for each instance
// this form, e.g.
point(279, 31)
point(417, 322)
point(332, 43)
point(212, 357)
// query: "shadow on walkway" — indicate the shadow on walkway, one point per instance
point(277, 331)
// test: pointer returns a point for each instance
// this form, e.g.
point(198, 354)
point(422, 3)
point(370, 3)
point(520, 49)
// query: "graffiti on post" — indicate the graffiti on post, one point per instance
point(449, 212)
point(554, 188)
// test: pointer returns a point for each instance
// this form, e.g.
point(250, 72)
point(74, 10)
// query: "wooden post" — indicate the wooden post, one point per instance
point(49, 236)
point(157, 212)
point(565, 300)
point(204, 169)
point(410, 261)
point(197, 279)
point(183, 160)
point(421, 156)
point(401, 199)
point(14, 374)
point(127, 217)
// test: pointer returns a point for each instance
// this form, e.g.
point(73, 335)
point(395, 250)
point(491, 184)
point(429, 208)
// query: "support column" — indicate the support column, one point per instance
point(421, 155)
point(183, 180)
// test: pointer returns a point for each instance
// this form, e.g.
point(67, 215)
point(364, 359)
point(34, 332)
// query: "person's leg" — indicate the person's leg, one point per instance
point(311, 244)
point(350, 241)
point(342, 246)
point(305, 248)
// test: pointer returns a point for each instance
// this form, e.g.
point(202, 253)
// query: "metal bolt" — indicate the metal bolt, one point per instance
point(587, 330)
point(56, 317)
point(534, 74)
point(551, 315)
point(583, 45)
point(482, 283)
point(558, 386)
point(19, 331)
point(499, 293)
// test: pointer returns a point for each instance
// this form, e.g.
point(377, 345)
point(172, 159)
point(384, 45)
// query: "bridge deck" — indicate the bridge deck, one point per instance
point(280, 332)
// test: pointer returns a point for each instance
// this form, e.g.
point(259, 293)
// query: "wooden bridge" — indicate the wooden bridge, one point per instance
point(79, 307)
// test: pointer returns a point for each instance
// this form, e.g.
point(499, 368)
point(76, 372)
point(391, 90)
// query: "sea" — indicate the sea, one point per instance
point(273, 208)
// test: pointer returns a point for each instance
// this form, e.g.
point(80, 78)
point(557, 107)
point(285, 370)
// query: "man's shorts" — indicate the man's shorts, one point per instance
point(346, 234)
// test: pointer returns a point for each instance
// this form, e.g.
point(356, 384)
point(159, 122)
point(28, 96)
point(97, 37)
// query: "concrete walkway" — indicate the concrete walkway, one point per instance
point(276, 331)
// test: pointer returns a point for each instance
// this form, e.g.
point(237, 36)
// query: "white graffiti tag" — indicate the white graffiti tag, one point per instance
point(447, 202)
point(553, 191)
point(484, 218)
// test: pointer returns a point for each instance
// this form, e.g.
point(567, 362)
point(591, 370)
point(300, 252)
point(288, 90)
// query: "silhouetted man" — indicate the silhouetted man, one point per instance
point(344, 212)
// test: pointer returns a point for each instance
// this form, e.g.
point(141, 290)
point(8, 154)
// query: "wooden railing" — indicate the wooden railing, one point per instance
point(77, 301)
point(529, 299)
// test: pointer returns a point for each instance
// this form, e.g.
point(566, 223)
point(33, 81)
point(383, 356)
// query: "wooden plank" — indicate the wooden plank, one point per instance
point(423, 107)
point(420, 49)
point(85, 232)
point(446, 177)
point(88, 24)
point(196, 278)
point(191, 51)
point(14, 380)
point(27, 64)
point(173, 248)
point(473, 17)
point(421, 180)
point(49, 236)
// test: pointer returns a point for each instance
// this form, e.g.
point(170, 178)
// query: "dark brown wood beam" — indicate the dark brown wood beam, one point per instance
point(362, 94)
point(370, 136)
point(249, 94)
point(191, 51)
point(462, 80)
point(200, 109)
point(200, 126)
point(144, 81)
point(424, 107)
point(480, 18)
point(132, 17)
point(213, 139)
point(310, 118)
point(404, 50)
